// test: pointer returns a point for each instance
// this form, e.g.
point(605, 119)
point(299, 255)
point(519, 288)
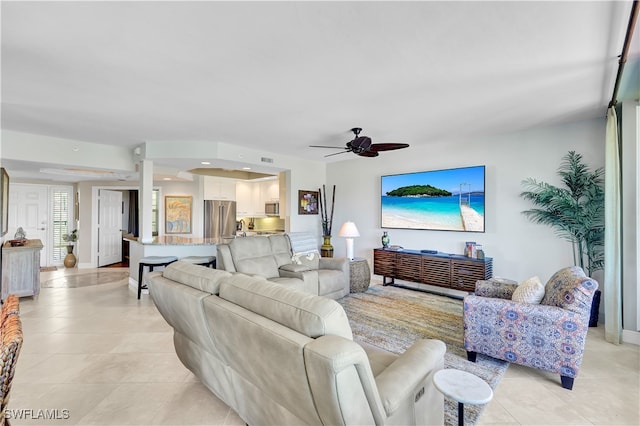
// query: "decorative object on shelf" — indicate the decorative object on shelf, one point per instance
point(479, 252)
point(385, 240)
point(349, 231)
point(177, 214)
point(470, 249)
point(307, 202)
point(575, 212)
point(326, 218)
point(20, 234)
point(70, 259)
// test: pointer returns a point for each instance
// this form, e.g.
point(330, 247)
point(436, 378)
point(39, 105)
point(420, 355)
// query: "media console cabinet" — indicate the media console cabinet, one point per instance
point(439, 269)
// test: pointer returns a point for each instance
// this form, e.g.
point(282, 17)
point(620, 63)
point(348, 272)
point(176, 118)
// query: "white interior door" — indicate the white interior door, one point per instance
point(29, 209)
point(109, 227)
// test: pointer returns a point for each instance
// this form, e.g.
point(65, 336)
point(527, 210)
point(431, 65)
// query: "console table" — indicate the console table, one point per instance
point(21, 269)
point(439, 269)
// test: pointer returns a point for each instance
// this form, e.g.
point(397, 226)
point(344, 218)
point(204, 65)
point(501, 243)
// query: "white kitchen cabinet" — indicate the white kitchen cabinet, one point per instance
point(270, 190)
point(244, 199)
point(216, 188)
point(252, 196)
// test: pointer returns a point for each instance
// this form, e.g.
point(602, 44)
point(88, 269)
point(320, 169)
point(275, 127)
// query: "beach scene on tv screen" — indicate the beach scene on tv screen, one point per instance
point(449, 200)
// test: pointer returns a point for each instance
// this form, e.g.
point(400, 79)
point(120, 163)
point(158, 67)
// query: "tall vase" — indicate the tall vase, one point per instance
point(70, 258)
point(385, 239)
point(327, 249)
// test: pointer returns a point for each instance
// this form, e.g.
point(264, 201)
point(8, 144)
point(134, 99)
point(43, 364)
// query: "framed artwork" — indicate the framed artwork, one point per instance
point(442, 200)
point(4, 201)
point(177, 214)
point(307, 202)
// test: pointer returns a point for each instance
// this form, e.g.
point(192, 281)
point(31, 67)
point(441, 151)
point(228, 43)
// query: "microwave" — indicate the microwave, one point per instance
point(272, 208)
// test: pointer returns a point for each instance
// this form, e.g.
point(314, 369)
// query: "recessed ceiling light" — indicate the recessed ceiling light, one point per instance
point(246, 168)
point(75, 149)
point(166, 178)
point(205, 163)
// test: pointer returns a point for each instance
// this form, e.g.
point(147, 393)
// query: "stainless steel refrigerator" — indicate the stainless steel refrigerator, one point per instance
point(219, 219)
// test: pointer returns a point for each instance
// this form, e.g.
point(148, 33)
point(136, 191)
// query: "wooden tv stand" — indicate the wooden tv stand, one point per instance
point(439, 269)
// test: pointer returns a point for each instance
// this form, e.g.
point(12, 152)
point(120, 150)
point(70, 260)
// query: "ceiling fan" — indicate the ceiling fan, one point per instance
point(362, 146)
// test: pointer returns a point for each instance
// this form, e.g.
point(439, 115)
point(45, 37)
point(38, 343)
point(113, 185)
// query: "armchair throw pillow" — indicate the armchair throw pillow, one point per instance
point(529, 291)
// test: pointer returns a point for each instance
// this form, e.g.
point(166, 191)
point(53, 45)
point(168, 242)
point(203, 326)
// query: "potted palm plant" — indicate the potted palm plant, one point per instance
point(575, 212)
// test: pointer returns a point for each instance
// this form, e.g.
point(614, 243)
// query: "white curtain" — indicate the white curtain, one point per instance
point(612, 238)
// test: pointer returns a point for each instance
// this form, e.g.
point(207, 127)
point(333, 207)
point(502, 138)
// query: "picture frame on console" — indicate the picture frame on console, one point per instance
point(307, 202)
point(442, 200)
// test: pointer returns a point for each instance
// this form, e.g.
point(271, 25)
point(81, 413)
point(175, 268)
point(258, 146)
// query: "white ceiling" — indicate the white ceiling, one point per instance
point(284, 75)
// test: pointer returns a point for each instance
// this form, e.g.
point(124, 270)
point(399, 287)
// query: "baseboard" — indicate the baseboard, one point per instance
point(133, 284)
point(632, 337)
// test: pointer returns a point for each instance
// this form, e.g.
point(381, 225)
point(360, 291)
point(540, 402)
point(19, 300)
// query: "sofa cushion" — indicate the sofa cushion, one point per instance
point(253, 255)
point(196, 276)
point(281, 249)
point(311, 315)
point(530, 290)
point(570, 289)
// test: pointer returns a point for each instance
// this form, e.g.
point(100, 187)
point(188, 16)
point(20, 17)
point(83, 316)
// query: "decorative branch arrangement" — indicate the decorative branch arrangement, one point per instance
point(327, 220)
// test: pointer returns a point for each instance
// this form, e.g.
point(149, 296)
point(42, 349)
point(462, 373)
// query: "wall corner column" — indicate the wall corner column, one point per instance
point(146, 197)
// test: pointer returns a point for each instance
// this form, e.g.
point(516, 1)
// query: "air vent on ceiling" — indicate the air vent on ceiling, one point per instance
point(266, 160)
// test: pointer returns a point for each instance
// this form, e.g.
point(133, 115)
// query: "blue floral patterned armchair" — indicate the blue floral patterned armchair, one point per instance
point(548, 336)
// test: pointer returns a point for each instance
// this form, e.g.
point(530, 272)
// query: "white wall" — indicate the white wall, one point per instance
point(519, 248)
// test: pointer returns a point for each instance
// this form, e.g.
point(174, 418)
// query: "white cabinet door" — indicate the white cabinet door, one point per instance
point(219, 188)
point(270, 190)
point(244, 199)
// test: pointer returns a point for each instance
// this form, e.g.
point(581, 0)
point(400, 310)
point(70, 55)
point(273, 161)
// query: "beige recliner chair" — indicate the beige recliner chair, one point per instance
point(272, 258)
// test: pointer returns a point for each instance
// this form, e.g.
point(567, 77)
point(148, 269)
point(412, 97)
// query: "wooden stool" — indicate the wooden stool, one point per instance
point(208, 261)
point(152, 262)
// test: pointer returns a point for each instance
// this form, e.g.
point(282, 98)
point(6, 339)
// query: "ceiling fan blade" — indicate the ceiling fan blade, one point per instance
point(336, 153)
point(387, 146)
point(368, 154)
point(325, 146)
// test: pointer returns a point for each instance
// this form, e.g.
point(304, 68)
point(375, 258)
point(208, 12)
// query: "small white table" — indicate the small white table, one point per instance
point(463, 387)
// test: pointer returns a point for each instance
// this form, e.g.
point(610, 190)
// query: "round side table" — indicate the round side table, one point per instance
point(360, 275)
point(463, 387)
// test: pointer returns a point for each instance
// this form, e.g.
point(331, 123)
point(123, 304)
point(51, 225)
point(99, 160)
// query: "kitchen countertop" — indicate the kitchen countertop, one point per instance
point(181, 241)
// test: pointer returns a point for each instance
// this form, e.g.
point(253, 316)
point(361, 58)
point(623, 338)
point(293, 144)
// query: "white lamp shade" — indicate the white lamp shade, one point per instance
point(348, 230)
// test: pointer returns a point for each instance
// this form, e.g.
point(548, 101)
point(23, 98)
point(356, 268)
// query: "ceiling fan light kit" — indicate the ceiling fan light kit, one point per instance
point(362, 146)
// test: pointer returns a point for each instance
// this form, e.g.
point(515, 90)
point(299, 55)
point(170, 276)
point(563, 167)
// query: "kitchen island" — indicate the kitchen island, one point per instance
point(168, 246)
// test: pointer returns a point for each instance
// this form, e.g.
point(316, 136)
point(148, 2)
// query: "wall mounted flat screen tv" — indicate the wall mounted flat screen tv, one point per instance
point(443, 200)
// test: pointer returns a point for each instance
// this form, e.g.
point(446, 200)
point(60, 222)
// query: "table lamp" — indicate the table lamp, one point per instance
point(349, 231)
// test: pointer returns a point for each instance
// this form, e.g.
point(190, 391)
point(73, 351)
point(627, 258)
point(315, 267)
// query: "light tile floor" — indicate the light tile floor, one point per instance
point(94, 354)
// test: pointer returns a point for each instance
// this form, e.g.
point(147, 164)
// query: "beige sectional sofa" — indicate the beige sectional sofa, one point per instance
point(278, 356)
point(272, 258)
